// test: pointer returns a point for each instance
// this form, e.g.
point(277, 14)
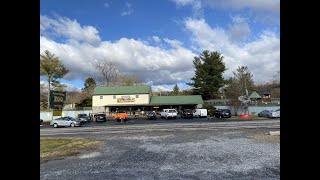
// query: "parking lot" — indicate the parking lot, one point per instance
point(171, 149)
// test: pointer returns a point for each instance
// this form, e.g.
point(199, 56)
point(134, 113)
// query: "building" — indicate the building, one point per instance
point(138, 98)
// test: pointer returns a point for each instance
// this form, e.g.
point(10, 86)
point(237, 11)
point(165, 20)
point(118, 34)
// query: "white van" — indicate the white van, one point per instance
point(200, 113)
point(168, 113)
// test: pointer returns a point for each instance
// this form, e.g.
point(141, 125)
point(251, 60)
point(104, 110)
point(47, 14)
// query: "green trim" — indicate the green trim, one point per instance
point(121, 90)
point(176, 100)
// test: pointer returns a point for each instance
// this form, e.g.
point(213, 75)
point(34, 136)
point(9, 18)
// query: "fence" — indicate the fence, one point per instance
point(254, 110)
point(48, 115)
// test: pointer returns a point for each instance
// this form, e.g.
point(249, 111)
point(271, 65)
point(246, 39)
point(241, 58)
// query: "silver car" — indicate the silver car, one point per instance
point(65, 121)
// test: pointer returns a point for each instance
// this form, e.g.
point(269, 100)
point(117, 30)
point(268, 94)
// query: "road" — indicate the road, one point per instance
point(185, 149)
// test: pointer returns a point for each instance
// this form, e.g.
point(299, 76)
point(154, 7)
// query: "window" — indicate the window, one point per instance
point(137, 96)
point(114, 96)
point(101, 97)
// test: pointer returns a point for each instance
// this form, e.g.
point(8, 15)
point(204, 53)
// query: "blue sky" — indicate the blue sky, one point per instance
point(157, 40)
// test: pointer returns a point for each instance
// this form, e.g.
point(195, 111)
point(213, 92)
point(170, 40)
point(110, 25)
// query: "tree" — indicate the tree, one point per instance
point(89, 86)
point(108, 70)
point(73, 98)
point(52, 68)
point(237, 84)
point(175, 91)
point(208, 78)
point(126, 80)
point(89, 83)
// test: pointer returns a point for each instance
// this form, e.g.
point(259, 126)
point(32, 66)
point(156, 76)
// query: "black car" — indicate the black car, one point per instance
point(222, 113)
point(100, 117)
point(187, 113)
point(84, 118)
point(151, 115)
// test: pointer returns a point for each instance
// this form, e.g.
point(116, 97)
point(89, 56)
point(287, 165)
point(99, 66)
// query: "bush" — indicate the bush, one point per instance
point(211, 109)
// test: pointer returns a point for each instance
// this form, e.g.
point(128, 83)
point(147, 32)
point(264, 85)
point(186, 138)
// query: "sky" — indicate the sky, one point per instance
point(157, 40)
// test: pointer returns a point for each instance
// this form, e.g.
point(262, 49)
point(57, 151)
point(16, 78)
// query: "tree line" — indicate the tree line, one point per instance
point(208, 80)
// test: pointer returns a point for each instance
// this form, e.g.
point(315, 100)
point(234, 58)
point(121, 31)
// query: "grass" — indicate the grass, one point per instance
point(58, 148)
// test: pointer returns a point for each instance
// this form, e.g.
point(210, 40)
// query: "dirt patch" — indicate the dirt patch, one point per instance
point(265, 138)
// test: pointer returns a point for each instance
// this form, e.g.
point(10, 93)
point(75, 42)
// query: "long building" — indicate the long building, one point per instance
point(139, 98)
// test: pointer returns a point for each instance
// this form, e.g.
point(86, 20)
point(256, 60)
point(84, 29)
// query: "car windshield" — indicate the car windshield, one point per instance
point(82, 115)
point(172, 111)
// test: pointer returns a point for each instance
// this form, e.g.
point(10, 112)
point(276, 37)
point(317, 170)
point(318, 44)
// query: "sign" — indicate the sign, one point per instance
point(57, 99)
point(57, 112)
point(125, 99)
point(156, 107)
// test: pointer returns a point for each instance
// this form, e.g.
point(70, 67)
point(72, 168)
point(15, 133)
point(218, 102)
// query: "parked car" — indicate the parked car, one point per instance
point(151, 115)
point(264, 113)
point(274, 114)
point(65, 121)
point(168, 113)
point(100, 117)
point(222, 113)
point(200, 113)
point(84, 118)
point(41, 121)
point(187, 113)
point(121, 115)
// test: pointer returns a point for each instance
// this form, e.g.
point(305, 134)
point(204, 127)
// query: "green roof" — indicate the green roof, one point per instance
point(254, 95)
point(172, 100)
point(115, 90)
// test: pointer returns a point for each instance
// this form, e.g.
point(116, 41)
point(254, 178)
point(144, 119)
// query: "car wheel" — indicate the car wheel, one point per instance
point(55, 125)
point(72, 125)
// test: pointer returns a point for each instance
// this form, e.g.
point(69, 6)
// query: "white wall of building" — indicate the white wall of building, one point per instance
point(109, 100)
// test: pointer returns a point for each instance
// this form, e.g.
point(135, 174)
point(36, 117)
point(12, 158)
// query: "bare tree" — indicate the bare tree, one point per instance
point(73, 98)
point(126, 79)
point(108, 70)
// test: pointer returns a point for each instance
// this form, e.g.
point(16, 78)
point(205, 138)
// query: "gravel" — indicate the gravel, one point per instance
point(197, 154)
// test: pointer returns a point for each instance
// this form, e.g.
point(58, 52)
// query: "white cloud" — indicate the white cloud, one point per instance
point(173, 43)
point(239, 30)
point(127, 10)
point(195, 4)
point(156, 39)
point(149, 63)
point(69, 29)
point(106, 5)
point(266, 11)
point(262, 56)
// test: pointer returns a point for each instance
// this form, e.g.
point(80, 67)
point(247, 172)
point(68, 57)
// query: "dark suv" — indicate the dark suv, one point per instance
point(187, 113)
point(222, 113)
point(100, 117)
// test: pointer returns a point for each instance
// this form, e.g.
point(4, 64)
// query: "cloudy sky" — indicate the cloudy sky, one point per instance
point(157, 40)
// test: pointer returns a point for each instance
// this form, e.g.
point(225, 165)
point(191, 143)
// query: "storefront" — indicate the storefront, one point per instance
point(133, 99)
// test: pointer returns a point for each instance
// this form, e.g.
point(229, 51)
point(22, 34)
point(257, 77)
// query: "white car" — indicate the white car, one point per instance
point(65, 121)
point(274, 114)
point(169, 113)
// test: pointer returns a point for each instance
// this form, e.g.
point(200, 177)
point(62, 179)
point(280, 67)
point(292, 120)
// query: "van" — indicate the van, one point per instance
point(200, 113)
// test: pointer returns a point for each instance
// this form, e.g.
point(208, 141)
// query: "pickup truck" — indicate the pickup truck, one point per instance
point(121, 116)
point(168, 113)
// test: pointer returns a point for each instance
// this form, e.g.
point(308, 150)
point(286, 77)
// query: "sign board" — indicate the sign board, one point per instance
point(57, 99)
point(57, 112)
point(125, 99)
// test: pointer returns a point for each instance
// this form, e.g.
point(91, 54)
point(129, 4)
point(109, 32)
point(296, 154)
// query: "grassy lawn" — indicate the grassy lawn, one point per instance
point(57, 148)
